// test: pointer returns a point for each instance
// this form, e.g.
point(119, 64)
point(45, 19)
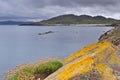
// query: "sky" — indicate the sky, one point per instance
point(44, 9)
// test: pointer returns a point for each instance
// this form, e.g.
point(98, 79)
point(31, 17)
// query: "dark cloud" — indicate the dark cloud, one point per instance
point(83, 2)
point(48, 8)
point(71, 3)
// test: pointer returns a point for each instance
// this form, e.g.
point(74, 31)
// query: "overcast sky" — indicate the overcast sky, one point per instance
point(44, 9)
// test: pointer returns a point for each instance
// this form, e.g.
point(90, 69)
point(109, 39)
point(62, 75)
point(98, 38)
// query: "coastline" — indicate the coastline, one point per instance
point(30, 64)
point(79, 25)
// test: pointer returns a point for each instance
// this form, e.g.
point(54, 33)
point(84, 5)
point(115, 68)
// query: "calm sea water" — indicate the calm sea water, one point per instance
point(22, 44)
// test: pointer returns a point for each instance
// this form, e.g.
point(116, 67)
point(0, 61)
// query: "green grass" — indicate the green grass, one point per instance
point(29, 72)
point(23, 74)
point(48, 67)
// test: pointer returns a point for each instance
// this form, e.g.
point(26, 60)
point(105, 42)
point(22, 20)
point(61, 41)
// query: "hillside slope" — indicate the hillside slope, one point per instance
point(69, 19)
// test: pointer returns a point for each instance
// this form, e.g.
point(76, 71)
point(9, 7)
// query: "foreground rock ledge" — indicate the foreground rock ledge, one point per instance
point(99, 57)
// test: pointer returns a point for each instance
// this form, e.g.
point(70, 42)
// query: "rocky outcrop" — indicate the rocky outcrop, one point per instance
point(93, 62)
point(113, 36)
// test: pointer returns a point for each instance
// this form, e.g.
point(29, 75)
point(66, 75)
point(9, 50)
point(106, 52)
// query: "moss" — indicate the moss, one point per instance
point(48, 67)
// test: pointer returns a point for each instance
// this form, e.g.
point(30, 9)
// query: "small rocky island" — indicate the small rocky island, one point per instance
point(44, 33)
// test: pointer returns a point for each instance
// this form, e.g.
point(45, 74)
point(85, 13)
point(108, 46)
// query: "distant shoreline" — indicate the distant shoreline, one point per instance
point(84, 25)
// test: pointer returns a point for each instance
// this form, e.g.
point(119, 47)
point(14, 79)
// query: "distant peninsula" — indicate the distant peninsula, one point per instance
point(14, 22)
point(71, 19)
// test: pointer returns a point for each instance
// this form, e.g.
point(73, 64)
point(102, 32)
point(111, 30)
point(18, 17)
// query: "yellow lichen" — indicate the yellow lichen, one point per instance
point(80, 53)
point(95, 56)
point(118, 60)
point(106, 72)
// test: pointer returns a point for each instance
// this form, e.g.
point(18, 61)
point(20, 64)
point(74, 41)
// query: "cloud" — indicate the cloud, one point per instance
point(43, 9)
point(83, 3)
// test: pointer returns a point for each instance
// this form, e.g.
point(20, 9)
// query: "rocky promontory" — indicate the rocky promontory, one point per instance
point(112, 35)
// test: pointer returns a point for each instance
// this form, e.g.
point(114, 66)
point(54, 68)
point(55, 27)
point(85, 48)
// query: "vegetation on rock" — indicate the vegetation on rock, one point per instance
point(24, 74)
point(48, 67)
point(40, 71)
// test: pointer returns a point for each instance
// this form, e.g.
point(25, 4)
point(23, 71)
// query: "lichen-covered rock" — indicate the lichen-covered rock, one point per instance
point(93, 74)
point(112, 36)
point(91, 61)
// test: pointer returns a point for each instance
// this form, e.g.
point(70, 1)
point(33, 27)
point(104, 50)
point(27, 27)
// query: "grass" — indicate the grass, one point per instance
point(29, 73)
point(23, 74)
point(49, 67)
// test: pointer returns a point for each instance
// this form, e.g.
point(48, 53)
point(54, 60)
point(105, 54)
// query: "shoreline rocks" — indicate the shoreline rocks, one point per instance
point(112, 35)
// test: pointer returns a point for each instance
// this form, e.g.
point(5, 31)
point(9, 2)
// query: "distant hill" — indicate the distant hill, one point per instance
point(74, 19)
point(13, 22)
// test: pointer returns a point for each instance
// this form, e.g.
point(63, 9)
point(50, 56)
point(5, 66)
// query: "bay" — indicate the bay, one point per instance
point(22, 44)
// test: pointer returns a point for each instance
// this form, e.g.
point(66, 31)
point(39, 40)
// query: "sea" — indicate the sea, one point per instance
point(23, 44)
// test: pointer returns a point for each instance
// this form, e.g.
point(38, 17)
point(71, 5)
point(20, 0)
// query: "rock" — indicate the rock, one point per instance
point(48, 32)
point(90, 63)
point(112, 36)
